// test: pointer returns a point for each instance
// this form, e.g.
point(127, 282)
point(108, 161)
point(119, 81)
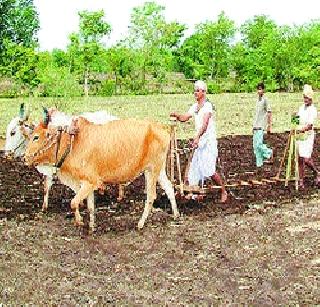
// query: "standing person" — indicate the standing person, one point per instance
point(262, 120)
point(307, 115)
point(203, 164)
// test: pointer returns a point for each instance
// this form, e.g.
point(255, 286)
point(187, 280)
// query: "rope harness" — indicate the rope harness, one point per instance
point(55, 139)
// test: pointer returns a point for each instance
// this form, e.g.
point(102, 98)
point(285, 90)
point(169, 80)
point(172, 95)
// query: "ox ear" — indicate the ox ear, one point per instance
point(45, 116)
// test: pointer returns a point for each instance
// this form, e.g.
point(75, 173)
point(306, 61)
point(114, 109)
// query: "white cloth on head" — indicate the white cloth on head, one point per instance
point(308, 91)
point(200, 85)
point(307, 116)
point(203, 163)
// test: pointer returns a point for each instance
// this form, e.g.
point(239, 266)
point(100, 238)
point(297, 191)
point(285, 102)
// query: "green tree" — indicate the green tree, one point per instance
point(55, 79)
point(85, 47)
point(286, 56)
point(189, 57)
point(19, 24)
point(60, 57)
point(122, 63)
point(155, 39)
point(206, 53)
point(216, 39)
point(307, 63)
point(261, 40)
point(19, 63)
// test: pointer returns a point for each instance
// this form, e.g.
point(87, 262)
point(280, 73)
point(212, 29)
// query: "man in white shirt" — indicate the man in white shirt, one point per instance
point(307, 115)
point(203, 164)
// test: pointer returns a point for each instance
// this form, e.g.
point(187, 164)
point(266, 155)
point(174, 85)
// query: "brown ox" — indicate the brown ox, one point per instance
point(115, 152)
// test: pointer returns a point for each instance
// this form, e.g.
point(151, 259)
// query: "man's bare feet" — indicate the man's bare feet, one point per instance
point(224, 196)
point(270, 160)
point(301, 184)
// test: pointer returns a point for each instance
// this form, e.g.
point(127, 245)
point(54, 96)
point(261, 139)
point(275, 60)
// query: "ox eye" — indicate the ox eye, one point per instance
point(12, 133)
point(36, 138)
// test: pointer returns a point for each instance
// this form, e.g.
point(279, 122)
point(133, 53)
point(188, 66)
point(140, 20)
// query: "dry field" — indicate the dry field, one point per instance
point(265, 258)
point(260, 255)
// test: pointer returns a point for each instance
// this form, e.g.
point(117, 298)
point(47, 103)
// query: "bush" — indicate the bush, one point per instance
point(182, 86)
point(58, 82)
point(213, 87)
point(107, 88)
point(10, 88)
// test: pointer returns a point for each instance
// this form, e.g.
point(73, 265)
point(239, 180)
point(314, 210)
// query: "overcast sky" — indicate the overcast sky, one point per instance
point(59, 18)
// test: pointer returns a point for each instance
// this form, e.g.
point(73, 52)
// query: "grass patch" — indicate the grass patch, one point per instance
point(234, 111)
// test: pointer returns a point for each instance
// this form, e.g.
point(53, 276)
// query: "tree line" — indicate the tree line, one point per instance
point(156, 56)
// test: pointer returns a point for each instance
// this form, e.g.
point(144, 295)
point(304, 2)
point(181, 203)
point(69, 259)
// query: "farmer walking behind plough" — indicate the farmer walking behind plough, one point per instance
point(307, 115)
point(203, 163)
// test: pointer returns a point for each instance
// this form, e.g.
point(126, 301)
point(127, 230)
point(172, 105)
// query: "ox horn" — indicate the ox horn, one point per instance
point(23, 112)
point(45, 116)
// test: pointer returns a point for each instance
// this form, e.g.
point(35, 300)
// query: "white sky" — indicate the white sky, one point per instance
point(59, 18)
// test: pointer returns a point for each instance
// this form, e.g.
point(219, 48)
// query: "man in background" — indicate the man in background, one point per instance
point(262, 123)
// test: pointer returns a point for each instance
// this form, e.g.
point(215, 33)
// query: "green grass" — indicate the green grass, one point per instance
point(234, 111)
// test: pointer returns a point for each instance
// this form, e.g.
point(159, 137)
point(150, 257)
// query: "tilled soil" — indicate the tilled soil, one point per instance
point(21, 188)
point(261, 248)
point(267, 257)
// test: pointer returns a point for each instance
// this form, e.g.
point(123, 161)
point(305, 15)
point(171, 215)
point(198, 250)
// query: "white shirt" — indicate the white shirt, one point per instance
point(210, 133)
point(262, 109)
point(307, 115)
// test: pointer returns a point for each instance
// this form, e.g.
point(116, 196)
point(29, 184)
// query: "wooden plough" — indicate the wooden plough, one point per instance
point(185, 190)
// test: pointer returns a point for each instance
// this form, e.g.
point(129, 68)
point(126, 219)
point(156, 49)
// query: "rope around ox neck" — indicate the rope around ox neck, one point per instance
point(47, 145)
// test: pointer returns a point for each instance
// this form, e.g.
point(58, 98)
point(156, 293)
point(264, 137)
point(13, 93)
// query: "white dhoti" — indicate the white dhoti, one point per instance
point(305, 147)
point(203, 164)
point(307, 116)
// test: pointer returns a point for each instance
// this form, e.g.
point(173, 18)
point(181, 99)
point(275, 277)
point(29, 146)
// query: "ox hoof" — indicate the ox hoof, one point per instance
point(140, 224)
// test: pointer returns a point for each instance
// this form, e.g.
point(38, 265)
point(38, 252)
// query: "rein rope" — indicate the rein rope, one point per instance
point(47, 145)
point(59, 163)
point(55, 139)
point(20, 144)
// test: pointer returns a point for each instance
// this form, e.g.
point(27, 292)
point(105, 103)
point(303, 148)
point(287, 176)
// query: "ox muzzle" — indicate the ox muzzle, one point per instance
point(29, 160)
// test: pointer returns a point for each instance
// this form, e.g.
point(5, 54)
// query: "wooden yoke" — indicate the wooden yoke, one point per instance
point(174, 154)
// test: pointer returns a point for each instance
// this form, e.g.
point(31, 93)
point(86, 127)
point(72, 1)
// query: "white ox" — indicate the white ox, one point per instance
point(19, 131)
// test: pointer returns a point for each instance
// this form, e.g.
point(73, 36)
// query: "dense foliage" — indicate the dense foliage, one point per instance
point(156, 56)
